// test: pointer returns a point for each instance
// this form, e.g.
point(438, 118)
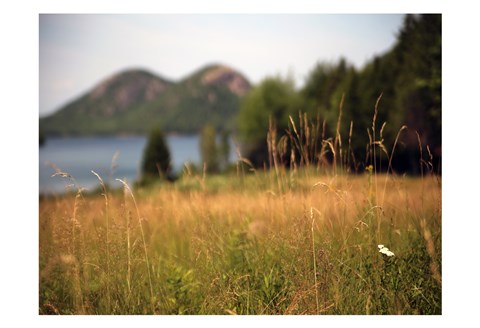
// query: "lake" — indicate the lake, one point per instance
point(78, 156)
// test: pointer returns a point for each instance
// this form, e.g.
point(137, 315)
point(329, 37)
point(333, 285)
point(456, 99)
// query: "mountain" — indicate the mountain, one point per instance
point(133, 101)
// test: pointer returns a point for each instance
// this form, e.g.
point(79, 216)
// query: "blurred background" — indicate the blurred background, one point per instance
point(213, 85)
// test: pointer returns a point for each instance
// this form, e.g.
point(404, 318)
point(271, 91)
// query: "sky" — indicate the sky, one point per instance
point(77, 51)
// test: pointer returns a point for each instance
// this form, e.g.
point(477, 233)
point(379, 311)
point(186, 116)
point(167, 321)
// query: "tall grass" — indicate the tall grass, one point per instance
point(298, 237)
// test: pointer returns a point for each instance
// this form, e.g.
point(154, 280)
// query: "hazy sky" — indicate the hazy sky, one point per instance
point(78, 51)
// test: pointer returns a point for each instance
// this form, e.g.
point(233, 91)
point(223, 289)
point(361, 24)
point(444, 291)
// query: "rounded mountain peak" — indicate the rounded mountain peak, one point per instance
point(225, 75)
point(127, 88)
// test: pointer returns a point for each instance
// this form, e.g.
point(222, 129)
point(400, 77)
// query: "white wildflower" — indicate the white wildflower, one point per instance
point(385, 250)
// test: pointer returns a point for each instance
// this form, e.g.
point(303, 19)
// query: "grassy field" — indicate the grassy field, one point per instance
point(301, 238)
point(267, 242)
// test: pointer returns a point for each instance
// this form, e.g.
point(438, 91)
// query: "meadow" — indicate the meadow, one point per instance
point(308, 237)
point(267, 242)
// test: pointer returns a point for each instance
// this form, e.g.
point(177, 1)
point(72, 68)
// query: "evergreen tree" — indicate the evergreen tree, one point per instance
point(419, 86)
point(156, 157)
point(321, 85)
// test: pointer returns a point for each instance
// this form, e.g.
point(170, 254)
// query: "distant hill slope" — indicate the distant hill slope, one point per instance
point(135, 100)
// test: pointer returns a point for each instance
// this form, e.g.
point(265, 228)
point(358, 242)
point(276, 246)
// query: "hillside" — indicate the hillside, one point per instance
point(135, 100)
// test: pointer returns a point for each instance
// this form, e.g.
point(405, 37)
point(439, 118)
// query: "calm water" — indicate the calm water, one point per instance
point(78, 156)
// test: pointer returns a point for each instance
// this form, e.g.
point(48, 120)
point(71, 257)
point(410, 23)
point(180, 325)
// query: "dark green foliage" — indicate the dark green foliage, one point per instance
point(274, 98)
point(419, 85)
point(156, 157)
point(408, 79)
point(322, 84)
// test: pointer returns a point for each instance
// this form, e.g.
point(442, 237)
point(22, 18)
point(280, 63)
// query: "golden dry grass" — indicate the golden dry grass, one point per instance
point(240, 245)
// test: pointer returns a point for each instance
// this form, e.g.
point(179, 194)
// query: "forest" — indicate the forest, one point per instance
point(406, 81)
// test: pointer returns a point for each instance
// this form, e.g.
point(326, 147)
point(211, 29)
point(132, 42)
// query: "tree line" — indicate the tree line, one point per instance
point(407, 79)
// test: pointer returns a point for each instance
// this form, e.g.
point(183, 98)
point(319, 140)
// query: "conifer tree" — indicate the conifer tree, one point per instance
point(156, 157)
